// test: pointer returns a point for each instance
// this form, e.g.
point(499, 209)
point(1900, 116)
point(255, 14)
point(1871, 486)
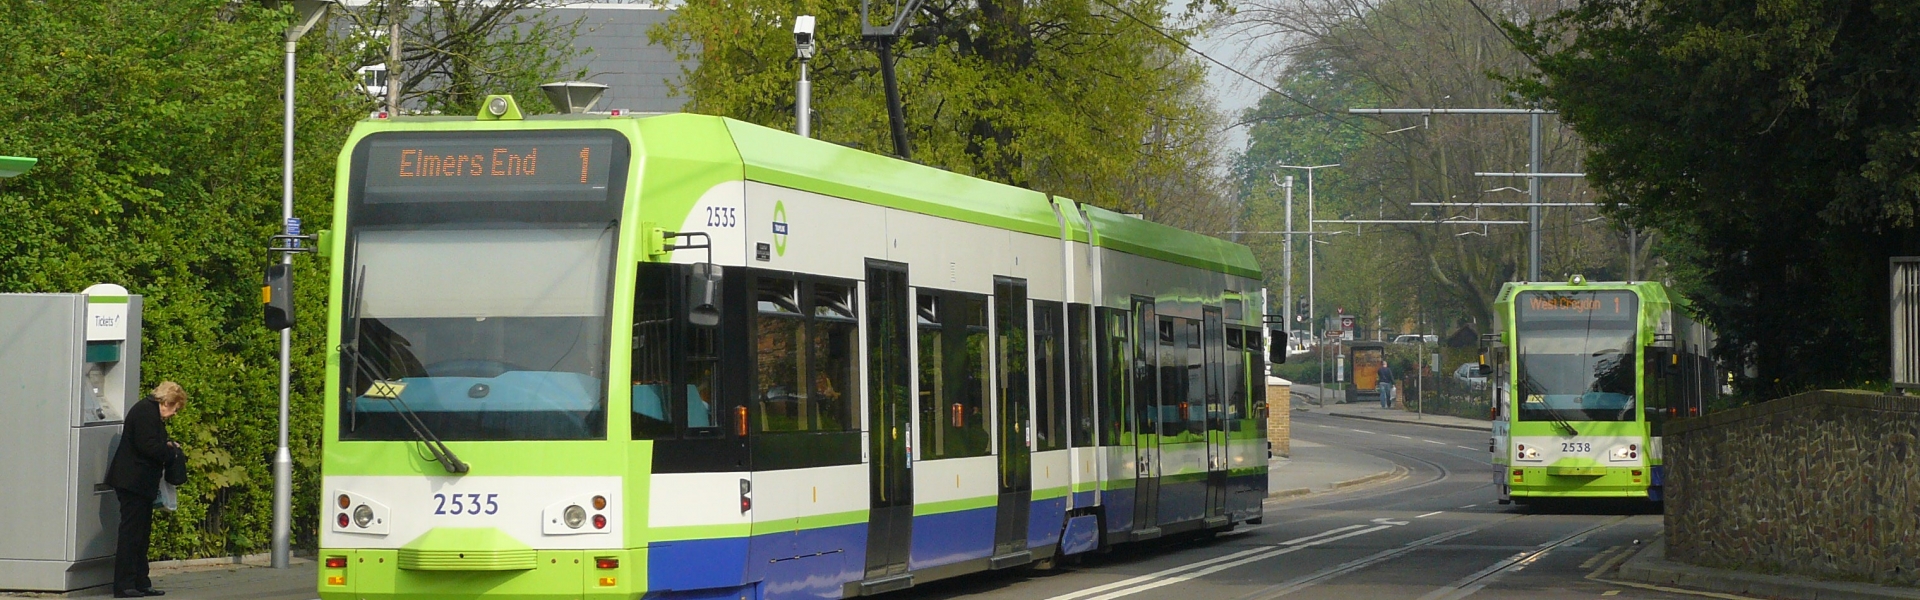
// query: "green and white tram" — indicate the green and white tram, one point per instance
point(687, 357)
point(1585, 375)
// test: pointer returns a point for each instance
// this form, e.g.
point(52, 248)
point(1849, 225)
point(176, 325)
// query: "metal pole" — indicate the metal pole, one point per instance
point(896, 114)
point(1286, 297)
point(1313, 310)
point(1633, 254)
point(802, 109)
point(1533, 196)
point(282, 459)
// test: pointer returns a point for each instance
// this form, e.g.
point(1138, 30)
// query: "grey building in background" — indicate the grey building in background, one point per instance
point(614, 51)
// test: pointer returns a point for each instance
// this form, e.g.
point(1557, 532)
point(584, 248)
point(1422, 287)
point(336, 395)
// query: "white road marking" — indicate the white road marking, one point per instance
point(1363, 431)
point(1301, 583)
point(1469, 506)
point(1322, 534)
point(1404, 437)
point(1185, 577)
point(1466, 447)
point(1467, 586)
point(1437, 443)
point(1326, 426)
point(1387, 521)
point(1430, 514)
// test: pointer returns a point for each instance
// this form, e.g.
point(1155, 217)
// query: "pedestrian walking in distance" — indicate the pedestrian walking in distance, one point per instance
point(138, 464)
point(1385, 385)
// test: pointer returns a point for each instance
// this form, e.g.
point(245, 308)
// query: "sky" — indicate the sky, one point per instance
point(1231, 93)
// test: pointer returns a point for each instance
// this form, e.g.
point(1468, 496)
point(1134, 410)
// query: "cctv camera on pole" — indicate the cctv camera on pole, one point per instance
point(803, 48)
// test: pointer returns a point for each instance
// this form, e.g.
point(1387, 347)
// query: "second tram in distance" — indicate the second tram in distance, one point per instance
point(1583, 376)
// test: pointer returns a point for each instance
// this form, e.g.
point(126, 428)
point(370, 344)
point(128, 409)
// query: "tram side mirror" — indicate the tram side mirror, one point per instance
point(703, 295)
point(276, 292)
point(1277, 346)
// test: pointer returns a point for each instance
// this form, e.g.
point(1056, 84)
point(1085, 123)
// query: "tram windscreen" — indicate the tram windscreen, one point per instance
point(478, 315)
point(1576, 355)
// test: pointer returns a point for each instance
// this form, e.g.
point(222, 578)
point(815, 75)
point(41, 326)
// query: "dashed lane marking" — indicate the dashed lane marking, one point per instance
point(1610, 593)
point(1430, 514)
point(1466, 447)
point(1434, 442)
point(1363, 431)
point(1404, 437)
point(1310, 580)
point(1469, 506)
point(1297, 541)
point(1467, 586)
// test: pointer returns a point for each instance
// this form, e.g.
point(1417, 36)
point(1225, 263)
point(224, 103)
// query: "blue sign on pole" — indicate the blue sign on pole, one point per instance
point(293, 228)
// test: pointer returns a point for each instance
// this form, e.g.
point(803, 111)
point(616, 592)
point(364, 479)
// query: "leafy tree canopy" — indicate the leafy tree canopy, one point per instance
point(1777, 145)
point(1072, 97)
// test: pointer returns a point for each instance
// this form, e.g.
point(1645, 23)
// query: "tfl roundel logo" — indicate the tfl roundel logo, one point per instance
point(780, 228)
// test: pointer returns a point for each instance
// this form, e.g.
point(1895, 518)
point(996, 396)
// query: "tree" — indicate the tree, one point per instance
point(1073, 97)
point(1774, 148)
point(158, 129)
point(456, 52)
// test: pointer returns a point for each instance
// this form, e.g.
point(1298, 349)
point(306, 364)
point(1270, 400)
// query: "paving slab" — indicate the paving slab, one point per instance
point(1650, 566)
point(1317, 468)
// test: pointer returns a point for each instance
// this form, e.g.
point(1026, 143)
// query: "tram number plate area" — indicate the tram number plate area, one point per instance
point(1576, 447)
point(466, 504)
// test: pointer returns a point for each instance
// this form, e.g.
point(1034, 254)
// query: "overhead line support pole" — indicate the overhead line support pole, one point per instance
point(1533, 166)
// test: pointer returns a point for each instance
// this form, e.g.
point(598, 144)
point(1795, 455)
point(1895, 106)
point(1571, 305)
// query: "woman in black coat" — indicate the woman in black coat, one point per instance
point(139, 463)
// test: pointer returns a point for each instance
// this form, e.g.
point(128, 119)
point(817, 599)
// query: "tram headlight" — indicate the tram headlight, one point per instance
point(362, 516)
point(575, 516)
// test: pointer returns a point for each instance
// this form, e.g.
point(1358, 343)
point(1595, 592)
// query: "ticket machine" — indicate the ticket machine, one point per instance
point(69, 369)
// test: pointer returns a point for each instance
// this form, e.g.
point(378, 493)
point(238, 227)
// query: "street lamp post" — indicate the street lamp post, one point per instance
point(307, 13)
point(1312, 309)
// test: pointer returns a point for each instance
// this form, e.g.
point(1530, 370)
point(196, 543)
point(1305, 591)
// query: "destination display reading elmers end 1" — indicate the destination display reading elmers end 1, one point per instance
point(557, 166)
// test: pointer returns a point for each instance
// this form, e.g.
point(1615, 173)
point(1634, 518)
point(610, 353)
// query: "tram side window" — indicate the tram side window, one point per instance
point(1194, 410)
point(653, 352)
point(1049, 377)
point(1080, 368)
point(1011, 362)
point(1256, 384)
point(1236, 379)
point(1169, 416)
point(1113, 363)
point(780, 366)
point(835, 357)
point(952, 330)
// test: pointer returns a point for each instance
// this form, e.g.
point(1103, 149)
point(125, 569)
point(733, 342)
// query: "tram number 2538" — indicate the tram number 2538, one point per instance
point(1576, 447)
point(465, 504)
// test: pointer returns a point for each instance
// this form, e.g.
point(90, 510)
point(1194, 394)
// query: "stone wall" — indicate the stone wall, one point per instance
point(1280, 416)
point(1822, 484)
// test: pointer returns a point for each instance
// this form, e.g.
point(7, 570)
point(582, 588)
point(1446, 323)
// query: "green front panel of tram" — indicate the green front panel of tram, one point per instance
point(1571, 364)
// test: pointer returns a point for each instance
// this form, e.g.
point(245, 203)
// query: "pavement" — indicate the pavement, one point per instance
point(1306, 398)
point(1650, 569)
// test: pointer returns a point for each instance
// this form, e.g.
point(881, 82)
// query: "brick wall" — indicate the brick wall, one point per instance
point(1822, 484)
point(1280, 418)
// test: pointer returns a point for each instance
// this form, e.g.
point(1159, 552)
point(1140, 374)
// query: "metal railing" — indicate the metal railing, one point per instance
point(1905, 334)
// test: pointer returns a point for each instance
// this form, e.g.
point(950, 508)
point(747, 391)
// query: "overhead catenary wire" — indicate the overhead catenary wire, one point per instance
point(1256, 81)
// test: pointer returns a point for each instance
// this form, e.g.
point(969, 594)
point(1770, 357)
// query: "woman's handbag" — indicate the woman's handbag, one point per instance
point(169, 497)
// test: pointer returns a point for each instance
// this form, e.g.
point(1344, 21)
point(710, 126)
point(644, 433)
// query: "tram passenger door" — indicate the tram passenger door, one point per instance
point(1146, 411)
point(1213, 348)
point(1011, 345)
point(889, 413)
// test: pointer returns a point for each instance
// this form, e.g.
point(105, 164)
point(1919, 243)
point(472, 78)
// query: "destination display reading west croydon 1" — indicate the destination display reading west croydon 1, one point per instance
point(542, 166)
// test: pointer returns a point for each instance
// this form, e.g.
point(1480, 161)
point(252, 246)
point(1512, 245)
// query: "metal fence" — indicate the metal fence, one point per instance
point(1905, 301)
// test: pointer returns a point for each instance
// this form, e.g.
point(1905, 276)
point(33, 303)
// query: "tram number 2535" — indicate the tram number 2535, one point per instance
point(1576, 447)
point(722, 216)
point(465, 504)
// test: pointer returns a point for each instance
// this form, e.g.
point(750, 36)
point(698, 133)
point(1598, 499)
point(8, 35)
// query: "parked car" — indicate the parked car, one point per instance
point(1410, 338)
point(1468, 374)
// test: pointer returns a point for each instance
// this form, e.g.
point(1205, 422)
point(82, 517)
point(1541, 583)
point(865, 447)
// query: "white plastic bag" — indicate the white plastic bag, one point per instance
point(169, 499)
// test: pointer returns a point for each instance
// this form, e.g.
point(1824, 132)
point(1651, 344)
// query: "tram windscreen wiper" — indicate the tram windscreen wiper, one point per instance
point(385, 389)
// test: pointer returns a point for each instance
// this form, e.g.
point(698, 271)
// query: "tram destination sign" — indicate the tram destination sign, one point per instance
point(533, 166)
point(1577, 306)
